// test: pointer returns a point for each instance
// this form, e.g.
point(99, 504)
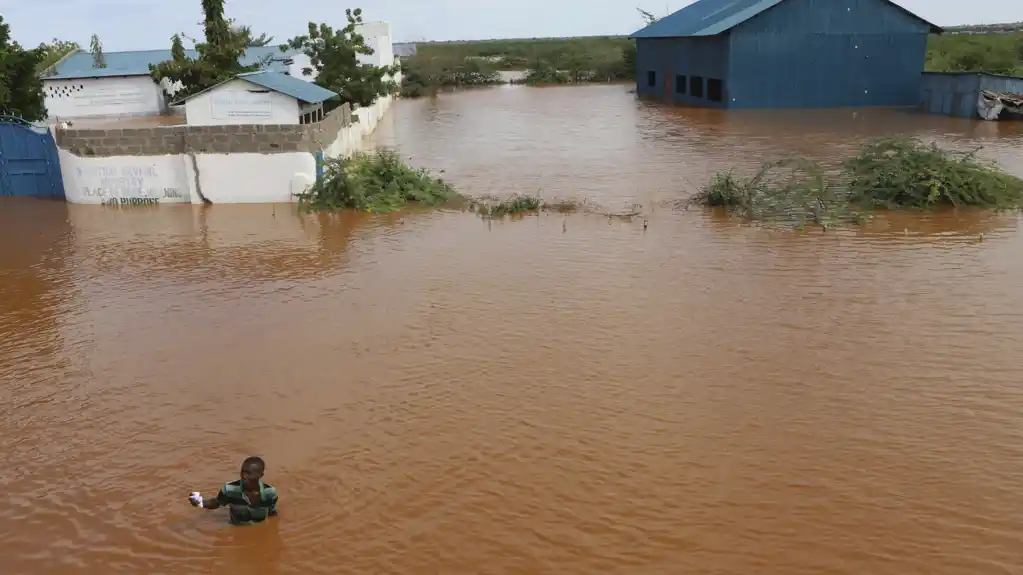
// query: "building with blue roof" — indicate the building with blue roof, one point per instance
point(264, 97)
point(76, 88)
point(784, 54)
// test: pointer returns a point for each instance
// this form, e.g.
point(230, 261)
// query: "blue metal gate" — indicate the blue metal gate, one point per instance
point(29, 165)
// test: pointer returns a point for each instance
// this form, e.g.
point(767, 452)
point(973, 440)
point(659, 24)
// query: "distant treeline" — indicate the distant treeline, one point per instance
point(986, 28)
point(613, 58)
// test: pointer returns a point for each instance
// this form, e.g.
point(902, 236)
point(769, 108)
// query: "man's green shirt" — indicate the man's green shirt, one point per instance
point(243, 511)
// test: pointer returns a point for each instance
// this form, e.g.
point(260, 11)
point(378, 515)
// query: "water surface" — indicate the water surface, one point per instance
point(434, 394)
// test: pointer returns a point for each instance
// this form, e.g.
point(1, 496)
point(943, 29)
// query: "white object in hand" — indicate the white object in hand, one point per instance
point(196, 498)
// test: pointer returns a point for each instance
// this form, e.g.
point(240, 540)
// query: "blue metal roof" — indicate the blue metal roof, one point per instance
point(712, 17)
point(301, 90)
point(136, 63)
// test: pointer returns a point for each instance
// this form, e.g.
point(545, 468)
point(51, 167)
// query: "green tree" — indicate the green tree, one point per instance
point(21, 87)
point(647, 16)
point(98, 59)
point(334, 57)
point(51, 52)
point(218, 59)
point(253, 40)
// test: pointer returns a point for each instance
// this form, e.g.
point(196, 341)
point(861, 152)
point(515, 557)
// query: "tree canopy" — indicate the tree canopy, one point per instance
point(51, 52)
point(334, 57)
point(21, 88)
point(219, 56)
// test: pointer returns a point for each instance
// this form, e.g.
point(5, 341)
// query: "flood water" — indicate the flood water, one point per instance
point(570, 395)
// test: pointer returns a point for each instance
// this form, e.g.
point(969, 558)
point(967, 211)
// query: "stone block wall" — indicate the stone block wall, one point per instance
point(238, 139)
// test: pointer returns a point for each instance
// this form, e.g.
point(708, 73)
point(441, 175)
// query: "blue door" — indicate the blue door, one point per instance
point(28, 161)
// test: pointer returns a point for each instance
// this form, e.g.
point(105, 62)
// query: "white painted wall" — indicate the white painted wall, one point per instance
point(93, 97)
point(254, 178)
point(222, 178)
point(241, 102)
point(171, 179)
point(125, 179)
point(378, 36)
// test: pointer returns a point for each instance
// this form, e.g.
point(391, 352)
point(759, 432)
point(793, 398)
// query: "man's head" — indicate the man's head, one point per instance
point(252, 472)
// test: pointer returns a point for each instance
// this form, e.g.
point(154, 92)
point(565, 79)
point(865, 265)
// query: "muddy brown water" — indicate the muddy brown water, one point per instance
point(434, 394)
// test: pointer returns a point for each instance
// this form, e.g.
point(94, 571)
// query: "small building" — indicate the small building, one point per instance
point(784, 54)
point(257, 98)
point(76, 88)
point(970, 94)
point(403, 49)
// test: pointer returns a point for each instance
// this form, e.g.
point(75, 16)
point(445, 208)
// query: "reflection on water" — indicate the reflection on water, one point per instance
point(563, 395)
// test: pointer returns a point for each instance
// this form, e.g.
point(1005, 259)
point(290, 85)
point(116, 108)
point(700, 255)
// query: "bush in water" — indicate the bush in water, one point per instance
point(892, 173)
point(905, 173)
point(376, 181)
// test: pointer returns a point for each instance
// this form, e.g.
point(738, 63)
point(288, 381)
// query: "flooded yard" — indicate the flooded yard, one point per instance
point(434, 393)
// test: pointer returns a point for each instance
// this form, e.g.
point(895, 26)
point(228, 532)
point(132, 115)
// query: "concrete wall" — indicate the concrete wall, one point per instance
point(241, 102)
point(113, 96)
point(223, 164)
point(239, 138)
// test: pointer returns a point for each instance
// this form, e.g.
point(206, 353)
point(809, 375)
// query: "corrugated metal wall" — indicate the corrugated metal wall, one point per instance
point(956, 93)
point(1001, 84)
point(827, 53)
point(950, 94)
point(672, 62)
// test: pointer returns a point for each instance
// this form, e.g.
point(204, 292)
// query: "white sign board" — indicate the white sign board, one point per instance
point(93, 97)
point(229, 105)
point(123, 181)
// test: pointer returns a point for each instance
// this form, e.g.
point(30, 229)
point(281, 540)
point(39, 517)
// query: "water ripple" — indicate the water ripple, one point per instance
point(434, 394)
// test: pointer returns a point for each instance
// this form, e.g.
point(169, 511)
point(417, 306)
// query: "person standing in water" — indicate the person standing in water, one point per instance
point(250, 500)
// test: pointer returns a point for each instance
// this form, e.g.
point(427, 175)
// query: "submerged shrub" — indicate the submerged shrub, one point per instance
point(376, 181)
point(791, 191)
point(890, 173)
point(490, 207)
point(905, 173)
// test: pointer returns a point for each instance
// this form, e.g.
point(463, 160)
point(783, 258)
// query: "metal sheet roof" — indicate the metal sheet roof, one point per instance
point(712, 17)
point(136, 63)
point(301, 90)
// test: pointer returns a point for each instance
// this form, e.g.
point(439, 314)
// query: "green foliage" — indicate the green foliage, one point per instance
point(522, 54)
point(992, 53)
point(514, 205)
point(543, 73)
point(334, 56)
point(52, 52)
point(793, 191)
point(219, 56)
point(21, 87)
point(254, 41)
point(375, 182)
point(905, 173)
point(517, 205)
point(889, 173)
point(96, 47)
point(612, 58)
point(424, 75)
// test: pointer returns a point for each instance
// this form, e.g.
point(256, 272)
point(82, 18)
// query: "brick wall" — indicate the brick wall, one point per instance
point(248, 138)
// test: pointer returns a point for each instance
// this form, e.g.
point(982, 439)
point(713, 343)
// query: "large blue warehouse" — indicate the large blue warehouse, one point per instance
point(784, 54)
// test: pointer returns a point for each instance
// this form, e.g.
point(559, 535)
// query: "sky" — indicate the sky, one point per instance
point(149, 24)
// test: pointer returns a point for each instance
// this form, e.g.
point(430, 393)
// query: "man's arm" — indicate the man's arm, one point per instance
point(273, 506)
point(215, 503)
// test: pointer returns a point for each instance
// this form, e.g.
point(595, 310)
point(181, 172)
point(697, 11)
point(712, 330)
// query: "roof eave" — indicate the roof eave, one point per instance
point(93, 76)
